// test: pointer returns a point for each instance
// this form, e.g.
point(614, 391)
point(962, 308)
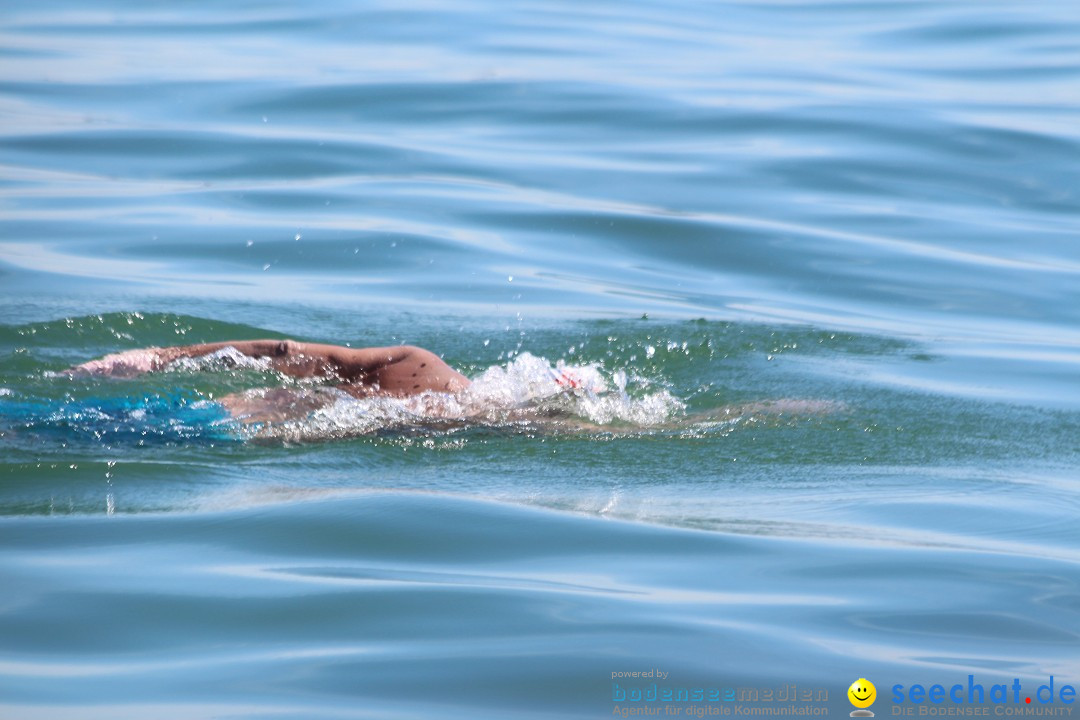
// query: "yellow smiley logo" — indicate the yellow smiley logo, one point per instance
point(862, 693)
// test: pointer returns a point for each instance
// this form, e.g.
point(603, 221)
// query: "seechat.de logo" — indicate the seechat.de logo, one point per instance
point(862, 695)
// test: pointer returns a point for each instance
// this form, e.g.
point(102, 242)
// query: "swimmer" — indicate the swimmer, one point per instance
point(429, 387)
point(398, 371)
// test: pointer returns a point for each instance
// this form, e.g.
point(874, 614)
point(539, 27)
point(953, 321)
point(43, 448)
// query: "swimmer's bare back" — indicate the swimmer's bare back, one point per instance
point(398, 371)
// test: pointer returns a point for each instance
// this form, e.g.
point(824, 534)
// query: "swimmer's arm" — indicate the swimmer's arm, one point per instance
point(286, 356)
point(294, 358)
point(398, 366)
point(136, 362)
point(385, 367)
point(356, 364)
point(251, 348)
point(298, 359)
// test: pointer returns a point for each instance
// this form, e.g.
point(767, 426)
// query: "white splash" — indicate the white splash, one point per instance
point(527, 390)
point(227, 358)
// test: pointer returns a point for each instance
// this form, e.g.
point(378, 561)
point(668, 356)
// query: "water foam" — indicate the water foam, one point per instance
point(528, 390)
point(227, 358)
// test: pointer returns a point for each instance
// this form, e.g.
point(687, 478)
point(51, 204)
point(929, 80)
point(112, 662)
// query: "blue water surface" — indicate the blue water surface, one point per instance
point(823, 255)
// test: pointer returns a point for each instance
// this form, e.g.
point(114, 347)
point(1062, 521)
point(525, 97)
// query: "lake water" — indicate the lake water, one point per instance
point(821, 260)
